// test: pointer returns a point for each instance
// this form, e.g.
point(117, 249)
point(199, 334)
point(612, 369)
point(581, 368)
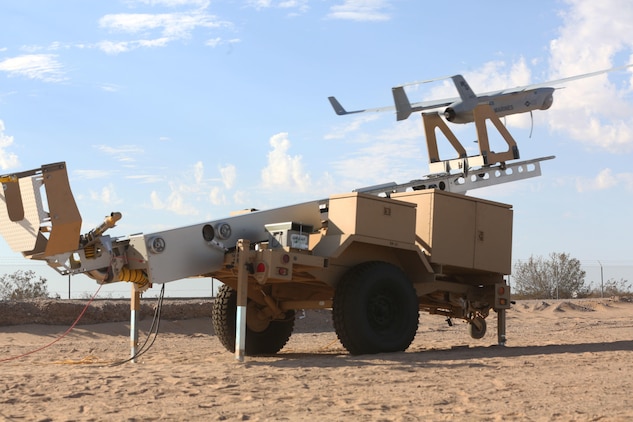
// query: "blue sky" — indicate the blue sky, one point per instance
point(178, 111)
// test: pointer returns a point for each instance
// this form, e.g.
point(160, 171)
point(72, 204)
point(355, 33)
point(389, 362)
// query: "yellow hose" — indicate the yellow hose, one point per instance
point(133, 276)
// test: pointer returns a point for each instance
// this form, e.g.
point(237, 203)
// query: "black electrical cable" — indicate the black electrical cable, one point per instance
point(154, 328)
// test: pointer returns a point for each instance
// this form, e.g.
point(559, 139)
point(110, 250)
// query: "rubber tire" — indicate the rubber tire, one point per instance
point(266, 342)
point(475, 332)
point(375, 309)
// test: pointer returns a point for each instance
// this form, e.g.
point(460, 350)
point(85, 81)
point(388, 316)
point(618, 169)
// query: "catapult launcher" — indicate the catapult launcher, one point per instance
point(376, 256)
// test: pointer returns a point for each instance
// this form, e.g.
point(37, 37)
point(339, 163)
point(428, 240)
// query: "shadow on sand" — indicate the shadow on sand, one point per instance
point(457, 356)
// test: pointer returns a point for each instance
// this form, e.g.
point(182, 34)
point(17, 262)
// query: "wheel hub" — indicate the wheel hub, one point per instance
point(256, 320)
point(381, 311)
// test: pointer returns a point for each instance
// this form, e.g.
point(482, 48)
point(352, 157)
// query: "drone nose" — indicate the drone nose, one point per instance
point(547, 102)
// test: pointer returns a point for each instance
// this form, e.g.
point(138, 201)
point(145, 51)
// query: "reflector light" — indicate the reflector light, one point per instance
point(282, 271)
point(285, 258)
point(261, 267)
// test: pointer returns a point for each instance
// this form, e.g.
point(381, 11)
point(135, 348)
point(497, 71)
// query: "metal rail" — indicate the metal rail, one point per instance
point(464, 181)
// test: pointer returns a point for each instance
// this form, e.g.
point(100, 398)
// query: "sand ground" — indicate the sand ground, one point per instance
point(564, 360)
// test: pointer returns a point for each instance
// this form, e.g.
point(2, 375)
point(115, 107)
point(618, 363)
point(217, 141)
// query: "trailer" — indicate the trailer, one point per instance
point(376, 257)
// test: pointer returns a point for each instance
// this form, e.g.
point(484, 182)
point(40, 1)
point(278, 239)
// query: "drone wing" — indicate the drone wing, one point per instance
point(548, 84)
point(340, 110)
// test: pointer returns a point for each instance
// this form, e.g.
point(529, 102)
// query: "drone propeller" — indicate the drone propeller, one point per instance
point(531, 124)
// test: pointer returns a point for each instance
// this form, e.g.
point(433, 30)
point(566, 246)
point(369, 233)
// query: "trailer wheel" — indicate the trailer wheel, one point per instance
point(477, 328)
point(375, 309)
point(261, 339)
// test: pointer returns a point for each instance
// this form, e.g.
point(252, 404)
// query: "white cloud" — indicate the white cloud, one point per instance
point(240, 197)
point(175, 201)
point(497, 75)
point(284, 170)
point(170, 25)
point(361, 10)
point(394, 155)
point(110, 47)
point(44, 67)
point(291, 4)
point(213, 42)
point(157, 203)
point(260, 4)
point(173, 3)
point(604, 180)
point(146, 178)
point(188, 192)
point(229, 174)
point(157, 29)
point(107, 195)
point(110, 88)
point(300, 5)
point(157, 42)
point(53, 46)
point(123, 153)
point(8, 160)
point(198, 172)
point(151, 30)
point(216, 196)
point(354, 125)
point(593, 110)
point(91, 174)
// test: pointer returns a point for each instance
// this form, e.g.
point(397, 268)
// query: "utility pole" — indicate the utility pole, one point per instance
point(601, 280)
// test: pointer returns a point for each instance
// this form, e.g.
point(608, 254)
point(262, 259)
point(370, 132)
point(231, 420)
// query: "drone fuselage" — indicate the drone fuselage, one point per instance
point(503, 104)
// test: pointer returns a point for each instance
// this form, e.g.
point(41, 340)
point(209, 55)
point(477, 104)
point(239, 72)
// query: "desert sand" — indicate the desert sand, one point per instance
point(564, 360)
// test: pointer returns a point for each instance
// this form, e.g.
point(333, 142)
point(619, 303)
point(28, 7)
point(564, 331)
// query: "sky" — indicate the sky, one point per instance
point(176, 112)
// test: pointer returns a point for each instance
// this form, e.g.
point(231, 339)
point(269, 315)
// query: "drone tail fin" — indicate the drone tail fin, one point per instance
point(465, 92)
point(338, 108)
point(403, 105)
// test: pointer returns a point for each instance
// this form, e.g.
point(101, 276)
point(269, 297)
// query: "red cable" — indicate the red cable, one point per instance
point(60, 337)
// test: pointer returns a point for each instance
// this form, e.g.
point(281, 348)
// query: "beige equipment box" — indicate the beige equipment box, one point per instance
point(462, 233)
